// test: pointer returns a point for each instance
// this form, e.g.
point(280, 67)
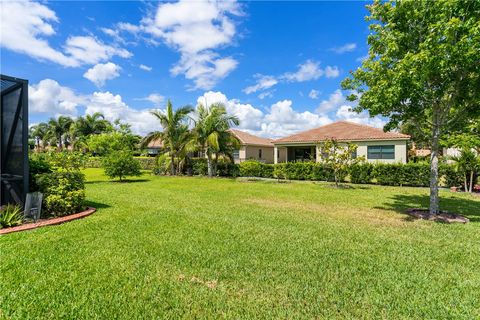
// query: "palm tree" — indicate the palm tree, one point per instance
point(58, 130)
point(211, 132)
point(175, 135)
point(39, 132)
point(92, 124)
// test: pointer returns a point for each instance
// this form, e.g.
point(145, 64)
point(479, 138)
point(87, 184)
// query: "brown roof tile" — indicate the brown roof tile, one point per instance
point(342, 131)
point(249, 139)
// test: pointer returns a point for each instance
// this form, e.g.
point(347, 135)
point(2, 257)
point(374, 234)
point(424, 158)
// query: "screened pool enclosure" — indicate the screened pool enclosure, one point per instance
point(13, 140)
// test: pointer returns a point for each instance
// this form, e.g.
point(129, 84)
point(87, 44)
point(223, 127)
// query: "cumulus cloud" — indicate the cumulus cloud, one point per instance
point(348, 47)
point(113, 107)
point(331, 72)
point(310, 70)
point(48, 96)
point(338, 103)
point(25, 25)
point(262, 82)
point(279, 120)
point(155, 98)
point(195, 29)
point(100, 73)
point(145, 68)
point(314, 94)
point(266, 94)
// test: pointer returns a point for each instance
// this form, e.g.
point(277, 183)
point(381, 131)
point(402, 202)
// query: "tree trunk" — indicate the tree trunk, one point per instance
point(172, 165)
point(471, 182)
point(434, 200)
point(209, 165)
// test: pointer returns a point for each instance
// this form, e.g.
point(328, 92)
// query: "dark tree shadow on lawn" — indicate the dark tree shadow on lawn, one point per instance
point(96, 205)
point(128, 180)
point(400, 203)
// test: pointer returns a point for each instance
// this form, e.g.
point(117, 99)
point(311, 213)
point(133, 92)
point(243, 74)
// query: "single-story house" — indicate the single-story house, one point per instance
point(252, 147)
point(374, 144)
point(154, 147)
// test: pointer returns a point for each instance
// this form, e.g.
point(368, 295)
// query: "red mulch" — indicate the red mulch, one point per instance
point(48, 222)
point(443, 216)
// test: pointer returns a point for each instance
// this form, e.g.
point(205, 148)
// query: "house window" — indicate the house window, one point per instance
point(381, 152)
point(236, 154)
point(259, 153)
point(354, 154)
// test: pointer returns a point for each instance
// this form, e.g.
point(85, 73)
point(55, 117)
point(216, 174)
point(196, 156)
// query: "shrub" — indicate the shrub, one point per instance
point(361, 173)
point(227, 169)
point(64, 192)
point(121, 164)
point(398, 174)
point(66, 160)
point(252, 168)
point(162, 165)
point(10, 216)
point(199, 166)
point(38, 164)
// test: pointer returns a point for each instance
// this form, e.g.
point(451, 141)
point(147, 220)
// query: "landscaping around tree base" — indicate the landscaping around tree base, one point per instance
point(443, 216)
point(49, 222)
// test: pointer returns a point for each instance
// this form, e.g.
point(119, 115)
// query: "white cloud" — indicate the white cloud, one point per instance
point(310, 70)
point(145, 68)
point(89, 50)
point(48, 96)
point(332, 72)
point(338, 103)
point(52, 99)
point(113, 107)
point(154, 98)
point(25, 25)
point(335, 100)
point(348, 47)
point(314, 94)
point(195, 29)
point(345, 113)
point(266, 94)
point(280, 120)
point(263, 82)
point(100, 73)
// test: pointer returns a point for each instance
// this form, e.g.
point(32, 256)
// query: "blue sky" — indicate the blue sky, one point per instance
point(277, 65)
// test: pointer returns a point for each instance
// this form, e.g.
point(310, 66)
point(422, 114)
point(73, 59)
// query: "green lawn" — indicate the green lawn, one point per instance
point(161, 247)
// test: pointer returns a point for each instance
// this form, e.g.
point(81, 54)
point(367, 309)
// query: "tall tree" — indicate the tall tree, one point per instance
point(211, 131)
point(39, 132)
point(423, 67)
point(175, 135)
point(92, 124)
point(58, 130)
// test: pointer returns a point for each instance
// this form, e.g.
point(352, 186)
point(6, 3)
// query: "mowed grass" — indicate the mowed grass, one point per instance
point(191, 247)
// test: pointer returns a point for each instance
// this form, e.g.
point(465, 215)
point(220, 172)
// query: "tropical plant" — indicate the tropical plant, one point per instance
point(468, 164)
point(58, 130)
point(121, 164)
point(39, 133)
point(175, 135)
point(338, 157)
point(10, 216)
point(211, 132)
point(422, 67)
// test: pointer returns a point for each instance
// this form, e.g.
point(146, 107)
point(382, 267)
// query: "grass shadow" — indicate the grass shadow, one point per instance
point(464, 206)
point(96, 205)
point(128, 180)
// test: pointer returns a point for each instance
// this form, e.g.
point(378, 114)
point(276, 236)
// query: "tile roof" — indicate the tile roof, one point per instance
point(154, 144)
point(342, 131)
point(249, 139)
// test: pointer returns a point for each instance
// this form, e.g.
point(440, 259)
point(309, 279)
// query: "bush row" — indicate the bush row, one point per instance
point(146, 163)
point(410, 174)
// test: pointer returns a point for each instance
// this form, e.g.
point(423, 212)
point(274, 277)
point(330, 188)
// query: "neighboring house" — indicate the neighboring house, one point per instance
point(154, 147)
point(373, 144)
point(252, 147)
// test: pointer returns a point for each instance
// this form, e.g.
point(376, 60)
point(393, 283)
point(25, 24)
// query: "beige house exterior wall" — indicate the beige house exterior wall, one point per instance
point(250, 152)
point(400, 150)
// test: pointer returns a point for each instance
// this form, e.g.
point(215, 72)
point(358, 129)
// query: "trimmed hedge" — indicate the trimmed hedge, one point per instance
point(198, 167)
point(253, 168)
point(146, 163)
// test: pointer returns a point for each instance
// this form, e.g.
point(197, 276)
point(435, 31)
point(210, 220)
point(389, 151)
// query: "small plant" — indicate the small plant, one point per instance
point(121, 164)
point(338, 157)
point(10, 216)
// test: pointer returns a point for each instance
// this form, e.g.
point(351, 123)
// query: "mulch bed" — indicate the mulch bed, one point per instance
point(443, 216)
point(49, 222)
